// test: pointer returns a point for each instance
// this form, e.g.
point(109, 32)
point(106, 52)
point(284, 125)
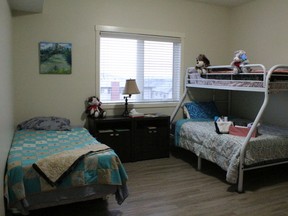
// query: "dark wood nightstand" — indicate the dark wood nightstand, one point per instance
point(151, 137)
point(133, 139)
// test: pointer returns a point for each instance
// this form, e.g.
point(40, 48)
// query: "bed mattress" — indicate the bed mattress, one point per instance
point(29, 146)
point(200, 138)
point(227, 79)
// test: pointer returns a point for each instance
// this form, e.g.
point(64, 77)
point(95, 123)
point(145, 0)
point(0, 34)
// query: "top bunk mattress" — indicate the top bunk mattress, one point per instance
point(222, 77)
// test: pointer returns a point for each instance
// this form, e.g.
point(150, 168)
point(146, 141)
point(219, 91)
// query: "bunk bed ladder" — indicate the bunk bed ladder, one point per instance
point(256, 121)
point(181, 100)
point(246, 141)
point(178, 106)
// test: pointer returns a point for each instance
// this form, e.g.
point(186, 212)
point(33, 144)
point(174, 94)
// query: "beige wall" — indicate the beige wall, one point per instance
point(73, 21)
point(257, 27)
point(6, 91)
point(260, 28)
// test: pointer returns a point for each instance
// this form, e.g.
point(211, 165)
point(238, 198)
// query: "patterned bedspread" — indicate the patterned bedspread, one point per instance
point(29, 146)
point(224, 149)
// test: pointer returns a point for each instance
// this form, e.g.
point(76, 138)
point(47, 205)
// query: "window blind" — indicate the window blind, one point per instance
point(154, 61)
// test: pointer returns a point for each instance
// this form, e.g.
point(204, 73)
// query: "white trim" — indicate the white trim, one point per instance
point(99, 28)
point(140, 105)
point(97, 63)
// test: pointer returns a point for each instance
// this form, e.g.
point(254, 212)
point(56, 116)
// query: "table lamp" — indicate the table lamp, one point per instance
point(129, 89)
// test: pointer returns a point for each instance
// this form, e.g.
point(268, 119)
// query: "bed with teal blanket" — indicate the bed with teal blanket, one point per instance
point(52, 167)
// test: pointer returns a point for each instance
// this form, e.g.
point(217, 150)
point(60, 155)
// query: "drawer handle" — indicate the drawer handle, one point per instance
point(112, 134)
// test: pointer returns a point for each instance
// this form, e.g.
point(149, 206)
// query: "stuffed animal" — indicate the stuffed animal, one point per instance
point(240, 59)
point(94, 107)
point(202, 62)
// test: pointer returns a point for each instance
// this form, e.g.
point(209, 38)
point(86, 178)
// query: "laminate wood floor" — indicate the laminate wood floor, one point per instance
point(172, 186)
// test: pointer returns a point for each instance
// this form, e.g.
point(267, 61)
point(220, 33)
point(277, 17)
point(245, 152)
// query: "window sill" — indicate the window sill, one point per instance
point(111, 106)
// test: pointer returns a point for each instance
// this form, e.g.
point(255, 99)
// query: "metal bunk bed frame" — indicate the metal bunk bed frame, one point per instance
point(265, 89)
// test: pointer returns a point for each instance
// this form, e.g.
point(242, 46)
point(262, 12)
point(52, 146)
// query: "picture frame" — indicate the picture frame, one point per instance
point(55, 58)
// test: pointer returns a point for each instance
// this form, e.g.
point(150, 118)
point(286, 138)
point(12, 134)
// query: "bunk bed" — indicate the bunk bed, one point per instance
point(235, 154)
point(51, 163)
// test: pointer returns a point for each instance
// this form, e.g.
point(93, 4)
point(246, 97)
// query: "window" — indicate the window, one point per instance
point(154, 61)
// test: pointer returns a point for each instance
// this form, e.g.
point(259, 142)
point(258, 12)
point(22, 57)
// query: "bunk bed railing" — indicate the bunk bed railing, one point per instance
point(223, 77)
point(187, 84)
point(258, 66)
point(247, 139)
point(269, 82)
point(255, 123)
point(173, 115)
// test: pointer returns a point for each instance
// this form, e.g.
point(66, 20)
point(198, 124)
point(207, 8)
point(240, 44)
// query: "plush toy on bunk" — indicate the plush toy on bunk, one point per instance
point(202, 62)
point(240, 59)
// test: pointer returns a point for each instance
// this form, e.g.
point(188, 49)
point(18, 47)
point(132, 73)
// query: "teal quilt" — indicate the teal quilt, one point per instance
point(29, 146)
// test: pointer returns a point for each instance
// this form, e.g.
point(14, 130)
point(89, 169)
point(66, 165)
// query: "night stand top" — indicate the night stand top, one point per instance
point(119, 117)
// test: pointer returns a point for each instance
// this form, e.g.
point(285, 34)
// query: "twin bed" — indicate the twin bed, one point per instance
point(234, 154)
point(51, 163)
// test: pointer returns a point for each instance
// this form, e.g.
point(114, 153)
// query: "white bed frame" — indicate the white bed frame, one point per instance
point(266, 89)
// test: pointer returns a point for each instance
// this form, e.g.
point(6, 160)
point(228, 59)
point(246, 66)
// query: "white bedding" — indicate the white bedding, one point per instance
point(250, 81)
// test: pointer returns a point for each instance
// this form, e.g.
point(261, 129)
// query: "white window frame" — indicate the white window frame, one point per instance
point(99, 28)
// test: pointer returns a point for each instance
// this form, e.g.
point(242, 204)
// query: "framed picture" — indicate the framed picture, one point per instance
point(55, 58)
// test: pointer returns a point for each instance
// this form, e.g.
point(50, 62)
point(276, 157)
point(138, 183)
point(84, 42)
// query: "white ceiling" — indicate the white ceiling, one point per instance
point(227, 3)
point(35, 6)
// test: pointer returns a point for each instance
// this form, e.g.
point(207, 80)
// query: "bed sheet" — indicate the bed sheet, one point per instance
point(222, 79)
point(224, 149)
point(29, 146)
point(279, 80)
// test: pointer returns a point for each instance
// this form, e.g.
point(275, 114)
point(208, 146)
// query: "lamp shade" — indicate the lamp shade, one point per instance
point(131, 87)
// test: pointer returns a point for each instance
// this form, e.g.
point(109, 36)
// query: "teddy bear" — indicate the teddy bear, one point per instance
point(240, 59)
point(94, 107)
point(202, 62)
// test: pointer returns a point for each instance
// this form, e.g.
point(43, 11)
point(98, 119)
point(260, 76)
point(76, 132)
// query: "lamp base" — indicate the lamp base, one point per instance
point(126, 113)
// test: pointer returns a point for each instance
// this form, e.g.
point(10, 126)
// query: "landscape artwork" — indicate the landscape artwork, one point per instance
point(55, 58)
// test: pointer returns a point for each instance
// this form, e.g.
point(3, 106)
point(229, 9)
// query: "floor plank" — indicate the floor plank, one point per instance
point(172, 186)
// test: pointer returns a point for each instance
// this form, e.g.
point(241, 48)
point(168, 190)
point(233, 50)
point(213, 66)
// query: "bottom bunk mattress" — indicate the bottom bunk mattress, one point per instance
point(29, 184)
point(201, 138)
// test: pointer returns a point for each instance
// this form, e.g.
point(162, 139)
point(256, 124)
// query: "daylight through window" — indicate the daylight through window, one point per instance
point(154, 61)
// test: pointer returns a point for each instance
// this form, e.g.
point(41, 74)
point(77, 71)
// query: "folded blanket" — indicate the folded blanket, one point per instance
point(55, 167)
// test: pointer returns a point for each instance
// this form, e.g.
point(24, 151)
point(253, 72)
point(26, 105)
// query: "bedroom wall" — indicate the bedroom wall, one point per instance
point(205, 28)
point(260, 28)
point(6, 91)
